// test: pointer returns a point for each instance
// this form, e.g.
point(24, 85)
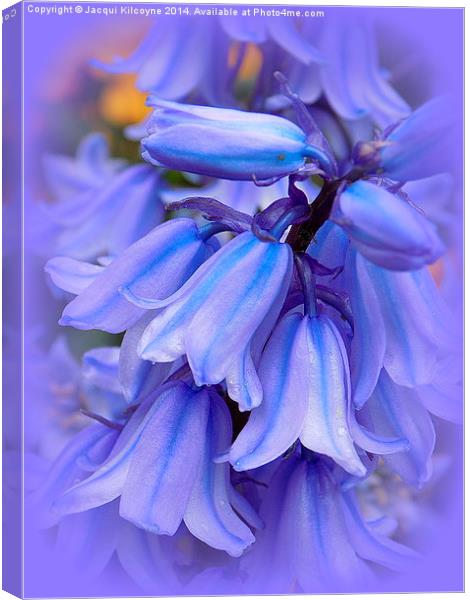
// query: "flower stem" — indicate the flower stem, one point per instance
point(302, 234)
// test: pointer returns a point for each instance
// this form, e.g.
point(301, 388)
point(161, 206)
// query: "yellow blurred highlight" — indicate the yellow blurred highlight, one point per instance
point(251, 63)
point(121, 103)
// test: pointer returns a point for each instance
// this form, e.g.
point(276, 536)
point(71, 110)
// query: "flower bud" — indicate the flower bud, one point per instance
point(385, 228)
point(225, 143)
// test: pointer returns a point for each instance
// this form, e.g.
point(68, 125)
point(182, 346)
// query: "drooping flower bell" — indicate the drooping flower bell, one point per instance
point(225, 143)
point(316, 535)
point(304, 375)
point(411, 325)
point(442, 397)
point(385, 228)
point(111, 218)
point(397, 410)
point(401, 321)
point(421, 145)
point(100, 207)
point(79, 176)
point(176, 42)
point(162, 469)
point(417, 147)
point(214, 316)
point(87, 449)
point(352, 53)
point(304, 372)
point(155, 266)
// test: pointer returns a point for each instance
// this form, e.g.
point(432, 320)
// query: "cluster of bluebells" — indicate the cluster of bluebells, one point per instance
point(282, 340)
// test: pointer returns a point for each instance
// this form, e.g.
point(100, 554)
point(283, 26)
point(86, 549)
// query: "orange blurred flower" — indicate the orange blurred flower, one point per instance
point(121, 103)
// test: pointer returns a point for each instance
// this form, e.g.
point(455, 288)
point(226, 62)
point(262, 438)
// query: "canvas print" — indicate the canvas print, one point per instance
point(233, 299)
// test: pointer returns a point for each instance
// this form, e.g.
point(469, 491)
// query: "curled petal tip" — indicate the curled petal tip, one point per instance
point(222, 458)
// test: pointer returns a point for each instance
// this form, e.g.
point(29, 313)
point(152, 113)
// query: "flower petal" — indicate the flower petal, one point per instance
point(243, 384)
point(385, 228)
point(209, 515)
point(107, 482)
point(369, 341)
point(284, 32)
point(370, 544)
point(138, 377)
point(72, 275)
point(86, 541)
point(418, 326)
point(326, 427)
point(351, 78)
point(93, 442)
point(167, 255)
point(100, 368)
point(396, 411)
point(323, 553)
point(164, 464)
point(228, 318)
point(276, 424)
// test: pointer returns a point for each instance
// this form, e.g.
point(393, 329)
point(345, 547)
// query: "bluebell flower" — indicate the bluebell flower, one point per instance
point(149, 559)
point(282, 31)
point(350, 50)
point(155, 266)
point(421, 145)
point(52, 418)
point(214, 316)
point(417, 147)
point(177, 59)
point(225, 143)
point(86, 172)
point(86, 542)
point(116, 215)
point(85, 451)
point(100, 207)
point(304, 373)
point(162, 469)
point(396, 410)
point(401, 321)
point(385, 228)
point(352, 79)
point(315, 535)
point(443, 396)
point(64, 391)
point(414, 322)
